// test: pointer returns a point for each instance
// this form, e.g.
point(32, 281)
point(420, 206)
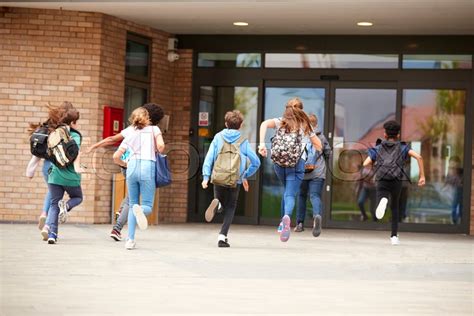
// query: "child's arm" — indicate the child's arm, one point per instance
point(159, 142)
point(208, 163)
point(419, 160)
point(316, 143)
point(367, 162)
point(252, 168)
point(109, 141)
point(262, 148)
point(120, 151)
point(32, 165)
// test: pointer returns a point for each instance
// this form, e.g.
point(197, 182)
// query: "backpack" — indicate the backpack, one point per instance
point(62, 148)
point(287, 148)
point(389, 161)
point(226, 169)
point(313, 156)
point(39, 142)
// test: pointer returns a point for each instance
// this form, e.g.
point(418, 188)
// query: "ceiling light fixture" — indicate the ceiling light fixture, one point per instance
point(241, 24)
point(365, 24)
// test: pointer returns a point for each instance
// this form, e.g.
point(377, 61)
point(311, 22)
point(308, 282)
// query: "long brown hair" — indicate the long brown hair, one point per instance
point(56, 116)
point(294, 118)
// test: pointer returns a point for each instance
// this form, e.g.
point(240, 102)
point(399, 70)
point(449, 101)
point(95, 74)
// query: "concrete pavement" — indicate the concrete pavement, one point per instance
point(178, 269)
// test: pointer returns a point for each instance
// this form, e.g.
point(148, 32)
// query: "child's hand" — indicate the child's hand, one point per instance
point(421, 181)
point(245, 184)
point(204, 184)
point(262, 150)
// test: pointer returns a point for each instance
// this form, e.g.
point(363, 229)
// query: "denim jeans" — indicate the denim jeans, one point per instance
point(47, 198)
point(364, 195)
point(57, 193)
point(456, 205)
point(123, 217)
point(140, 183)
point(291, 179)
point(315, 188)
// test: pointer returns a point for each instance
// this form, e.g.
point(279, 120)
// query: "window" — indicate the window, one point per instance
point(361, 61)
point(137, 73)
point(229, 60)
point(437, 61)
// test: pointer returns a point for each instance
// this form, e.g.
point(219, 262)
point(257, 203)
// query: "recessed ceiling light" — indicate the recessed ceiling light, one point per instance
point(365, 24)
point(241, 24)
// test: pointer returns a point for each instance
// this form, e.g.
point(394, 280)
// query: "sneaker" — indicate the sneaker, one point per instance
point(142, 222)
point(211, 210)
point(130, 244)
point(41, 221)
point(45, 232)
point(115, 235)
point(299, 228)
point(62, 211)
point(380, 211)
point(52, 238)
point(280, 227)
point(317, 226)
point(395, 240)
point(222, 241)
point(285, 232)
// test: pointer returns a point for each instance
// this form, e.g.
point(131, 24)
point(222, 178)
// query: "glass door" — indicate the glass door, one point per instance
point(359, 111)
point(313, 95)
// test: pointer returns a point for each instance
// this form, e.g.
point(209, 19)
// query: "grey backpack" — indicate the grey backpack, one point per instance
point(389, 161)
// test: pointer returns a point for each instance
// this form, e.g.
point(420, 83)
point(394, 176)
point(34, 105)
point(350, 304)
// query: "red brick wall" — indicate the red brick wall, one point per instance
point(52, 56)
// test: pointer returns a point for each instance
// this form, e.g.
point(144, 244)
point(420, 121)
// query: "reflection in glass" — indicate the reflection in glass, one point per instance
point(134, 98)
point(229, 60)
point(136, 60)
point(358, 122)
point(331, 61)
point(433, 122)
point(215, 102)
point(275, 100)
point(437, 61)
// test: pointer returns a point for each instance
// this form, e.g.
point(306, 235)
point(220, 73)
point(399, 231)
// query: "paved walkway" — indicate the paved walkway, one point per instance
point(177, 269)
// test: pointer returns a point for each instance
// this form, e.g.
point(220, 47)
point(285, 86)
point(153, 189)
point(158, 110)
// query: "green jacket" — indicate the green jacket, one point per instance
point(68, 176)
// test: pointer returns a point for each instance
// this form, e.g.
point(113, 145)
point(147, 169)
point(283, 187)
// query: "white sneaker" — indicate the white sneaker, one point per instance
point(380, 211)
point(62, 212)
point(130, 244)
point(395, 240)
point(142, 222)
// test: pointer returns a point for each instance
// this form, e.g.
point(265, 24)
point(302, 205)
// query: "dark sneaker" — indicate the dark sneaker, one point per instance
point(211, 210)
point(115, 235)
point(62, 211)
point(317, 226)
point(52, 238)
point(223, 244)
point(285, 232)
point(299, 228)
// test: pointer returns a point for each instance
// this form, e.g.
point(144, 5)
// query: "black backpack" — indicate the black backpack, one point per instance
point(39, 142)
point(389, 162)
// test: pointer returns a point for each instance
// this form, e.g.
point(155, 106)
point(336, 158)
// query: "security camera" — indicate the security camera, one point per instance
point(172, 56)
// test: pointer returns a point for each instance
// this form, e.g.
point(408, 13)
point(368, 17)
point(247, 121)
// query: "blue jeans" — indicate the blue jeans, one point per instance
point(315, 188)
point(456, 206)
point(47, 198)
point(57, 193)
point(291, 179)
point(140, 182)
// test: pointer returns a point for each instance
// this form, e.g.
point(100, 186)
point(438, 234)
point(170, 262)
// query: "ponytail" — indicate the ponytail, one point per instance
point(294, 118)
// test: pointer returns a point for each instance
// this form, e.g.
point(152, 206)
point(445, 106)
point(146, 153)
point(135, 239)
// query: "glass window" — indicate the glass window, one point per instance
point(359, 117)
point(275, 100)
point(137, 58)
point(134, 98)
point(437, 61)
point(331, 61)
point(433, 123)
point(228, 60)
point(214, 102)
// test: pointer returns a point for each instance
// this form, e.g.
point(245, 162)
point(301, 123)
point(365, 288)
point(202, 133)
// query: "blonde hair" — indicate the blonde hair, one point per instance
point(295, 118)
point(139, 118)
point(313, 119)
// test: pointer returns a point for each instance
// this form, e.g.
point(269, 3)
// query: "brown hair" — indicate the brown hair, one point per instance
point(56, 116)
point(233, 119)
point(71, 116)
point(313, 119)
point(295, 118)
point(139, 118)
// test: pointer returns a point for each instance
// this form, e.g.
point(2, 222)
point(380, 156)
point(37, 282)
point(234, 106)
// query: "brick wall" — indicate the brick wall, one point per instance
point(52, 56)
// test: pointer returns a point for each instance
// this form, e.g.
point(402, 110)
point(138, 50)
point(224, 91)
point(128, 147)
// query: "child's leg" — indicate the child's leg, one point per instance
point(280, 173)
point(229, 208)
point(383, 190)
point(57, 193)
point(133, 194)
point(372, 204)
point(293, 178)
point(315, 190)
point(395, 193)
point(47, 197)
point(147, 185)
point(122, 219)
point(361, 201)
point(75, 195)
point(301, 204)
